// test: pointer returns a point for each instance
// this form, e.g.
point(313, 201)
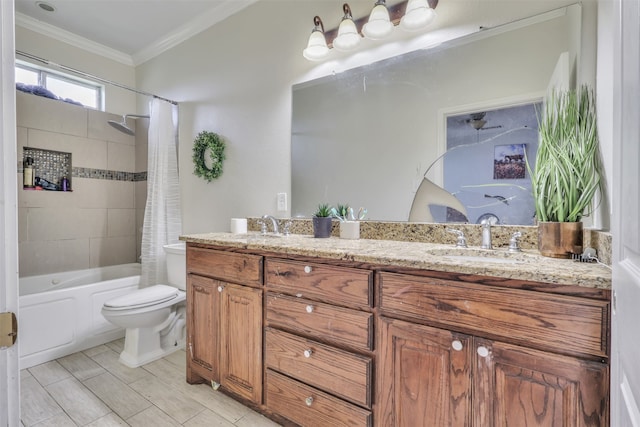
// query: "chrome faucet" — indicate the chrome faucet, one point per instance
point(461, 241)
point(514, 245)
point(486, 234)
point(276, 227)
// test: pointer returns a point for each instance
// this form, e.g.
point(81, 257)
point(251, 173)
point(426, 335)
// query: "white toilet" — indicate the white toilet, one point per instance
point(154, 317)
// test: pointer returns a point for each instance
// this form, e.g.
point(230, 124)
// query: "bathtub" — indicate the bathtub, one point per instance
point(60, 313)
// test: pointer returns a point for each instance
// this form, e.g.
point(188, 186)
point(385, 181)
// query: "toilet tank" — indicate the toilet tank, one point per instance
point(177, 264)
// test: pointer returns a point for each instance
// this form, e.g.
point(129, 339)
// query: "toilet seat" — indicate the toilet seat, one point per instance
point(144, 297)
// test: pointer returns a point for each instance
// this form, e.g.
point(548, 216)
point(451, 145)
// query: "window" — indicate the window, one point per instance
point(63, 86)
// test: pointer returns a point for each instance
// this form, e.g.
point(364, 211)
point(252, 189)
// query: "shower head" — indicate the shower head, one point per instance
point(122, 125)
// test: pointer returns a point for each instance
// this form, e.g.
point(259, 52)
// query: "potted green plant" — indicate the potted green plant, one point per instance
point(322, 221)
point(566, 176)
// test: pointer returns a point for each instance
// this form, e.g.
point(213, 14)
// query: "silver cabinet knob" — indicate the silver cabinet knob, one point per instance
point(308, 269)
point(309, 308)
point(456, 345)
point(220, 288)
point(308, 353)
point(308, 401)
point(483, 351)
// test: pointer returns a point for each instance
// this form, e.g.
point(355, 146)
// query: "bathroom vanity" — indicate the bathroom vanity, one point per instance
point(320, 332)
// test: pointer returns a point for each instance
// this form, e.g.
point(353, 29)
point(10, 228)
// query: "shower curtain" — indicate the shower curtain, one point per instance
point(162, 221)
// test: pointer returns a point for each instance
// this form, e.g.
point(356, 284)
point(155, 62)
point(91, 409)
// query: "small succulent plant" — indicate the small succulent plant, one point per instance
point(323, 210)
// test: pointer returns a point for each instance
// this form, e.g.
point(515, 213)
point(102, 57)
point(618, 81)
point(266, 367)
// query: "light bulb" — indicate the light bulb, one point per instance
point(379, 25)
point(348, 37)
point(417, 16)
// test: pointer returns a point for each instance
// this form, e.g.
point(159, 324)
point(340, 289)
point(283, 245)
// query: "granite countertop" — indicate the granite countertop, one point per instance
point(525, 265)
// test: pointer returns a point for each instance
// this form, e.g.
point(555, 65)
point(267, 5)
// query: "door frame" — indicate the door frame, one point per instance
point(9, 358)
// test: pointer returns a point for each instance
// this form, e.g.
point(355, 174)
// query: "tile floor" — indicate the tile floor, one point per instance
point(91, 388)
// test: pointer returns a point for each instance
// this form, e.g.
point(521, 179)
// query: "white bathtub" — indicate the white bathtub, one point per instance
point(60, 313)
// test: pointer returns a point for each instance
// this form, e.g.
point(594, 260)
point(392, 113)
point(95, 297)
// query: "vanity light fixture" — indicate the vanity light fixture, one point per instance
point(410, 15)
point(348, 37)
point(317, 48)
point(417, 16)
point(379, 24)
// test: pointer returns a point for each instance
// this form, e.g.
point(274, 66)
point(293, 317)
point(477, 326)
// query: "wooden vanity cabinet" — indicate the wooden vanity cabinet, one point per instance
point(308, 344)
point(475, 355)
point(224, 321)
point(319, 343)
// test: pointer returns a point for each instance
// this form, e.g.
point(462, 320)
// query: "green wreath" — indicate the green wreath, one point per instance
point(212, 141)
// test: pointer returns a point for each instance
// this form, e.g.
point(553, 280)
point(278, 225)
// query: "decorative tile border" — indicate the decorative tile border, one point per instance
point(109, 175)
point(53, 165)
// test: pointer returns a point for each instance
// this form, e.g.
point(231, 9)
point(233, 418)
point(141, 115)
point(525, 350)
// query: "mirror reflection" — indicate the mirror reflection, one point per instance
point(370, 136)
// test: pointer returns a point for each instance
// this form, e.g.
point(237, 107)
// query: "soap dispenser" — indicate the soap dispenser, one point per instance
point(27, 173)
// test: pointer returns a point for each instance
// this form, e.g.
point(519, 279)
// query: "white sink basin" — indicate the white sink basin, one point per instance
point(483, 259)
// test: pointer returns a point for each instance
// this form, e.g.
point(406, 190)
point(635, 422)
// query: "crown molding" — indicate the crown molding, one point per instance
point(73, 39)
point(190, 29)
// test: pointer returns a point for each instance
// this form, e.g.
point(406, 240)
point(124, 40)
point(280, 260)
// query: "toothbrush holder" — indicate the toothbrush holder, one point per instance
point(350, 230)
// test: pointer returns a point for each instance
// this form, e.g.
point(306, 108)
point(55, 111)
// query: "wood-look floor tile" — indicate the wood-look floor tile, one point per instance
point(117, 345)
point(96, 350)
point(217, 402)
point(122, 399)
point(171, 401)
point(152, 417)
point(77, 401)
point(60, 420)
point(166, 372)
point(109, 420)
point(254, 419)
point(208, 418)
point(110, 361)
point(24, 374)
point(35, 403)
point(81, 366)
point(178, 358)
point(202, 393)
point(49, 373)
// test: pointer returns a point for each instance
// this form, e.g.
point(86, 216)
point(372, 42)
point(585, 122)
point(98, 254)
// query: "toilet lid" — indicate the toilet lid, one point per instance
point(143, 297)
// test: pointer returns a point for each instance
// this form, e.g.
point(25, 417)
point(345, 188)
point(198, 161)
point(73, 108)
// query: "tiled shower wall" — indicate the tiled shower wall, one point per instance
point(96, 224)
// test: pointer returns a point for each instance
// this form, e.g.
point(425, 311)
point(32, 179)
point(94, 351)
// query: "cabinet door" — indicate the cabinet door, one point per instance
point(241, 341)
point(519, 386)
point(202, 328)
point(423, 376)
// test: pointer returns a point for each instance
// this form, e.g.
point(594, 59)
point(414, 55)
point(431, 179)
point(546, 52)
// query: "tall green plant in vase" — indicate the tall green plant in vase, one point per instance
point(566, 176)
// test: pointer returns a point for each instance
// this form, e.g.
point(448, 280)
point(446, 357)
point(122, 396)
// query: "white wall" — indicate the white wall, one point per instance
point(235, 79)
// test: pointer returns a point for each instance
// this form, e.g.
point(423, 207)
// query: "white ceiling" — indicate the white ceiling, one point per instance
point(129, 31)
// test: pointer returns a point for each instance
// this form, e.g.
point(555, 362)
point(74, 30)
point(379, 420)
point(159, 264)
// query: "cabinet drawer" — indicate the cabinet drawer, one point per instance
point(342, 285)
point(321, 321)
point(233, 267)
point(345, 374)
point(565, 324)
point(310, 407)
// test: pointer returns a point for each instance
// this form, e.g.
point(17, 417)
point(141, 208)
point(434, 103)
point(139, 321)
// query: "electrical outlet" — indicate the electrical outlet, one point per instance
point(282, 202)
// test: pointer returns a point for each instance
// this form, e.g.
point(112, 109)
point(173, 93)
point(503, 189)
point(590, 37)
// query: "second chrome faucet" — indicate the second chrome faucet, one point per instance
point(486, 234)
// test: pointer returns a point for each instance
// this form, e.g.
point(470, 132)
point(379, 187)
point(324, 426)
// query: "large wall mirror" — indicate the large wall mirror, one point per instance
point(369, 136)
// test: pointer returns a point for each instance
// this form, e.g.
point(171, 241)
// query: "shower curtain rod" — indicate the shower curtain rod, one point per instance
point(91, 76)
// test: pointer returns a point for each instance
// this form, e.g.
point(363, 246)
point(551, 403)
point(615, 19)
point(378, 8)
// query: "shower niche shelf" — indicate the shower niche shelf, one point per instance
point(50, 166)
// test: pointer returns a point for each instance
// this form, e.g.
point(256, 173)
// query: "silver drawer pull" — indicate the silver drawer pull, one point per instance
point(456, 345)
point(308, 401)
point(308, 269)
point(308, 353)
point(220, 288)
point(309, 308)
point(483, 351)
